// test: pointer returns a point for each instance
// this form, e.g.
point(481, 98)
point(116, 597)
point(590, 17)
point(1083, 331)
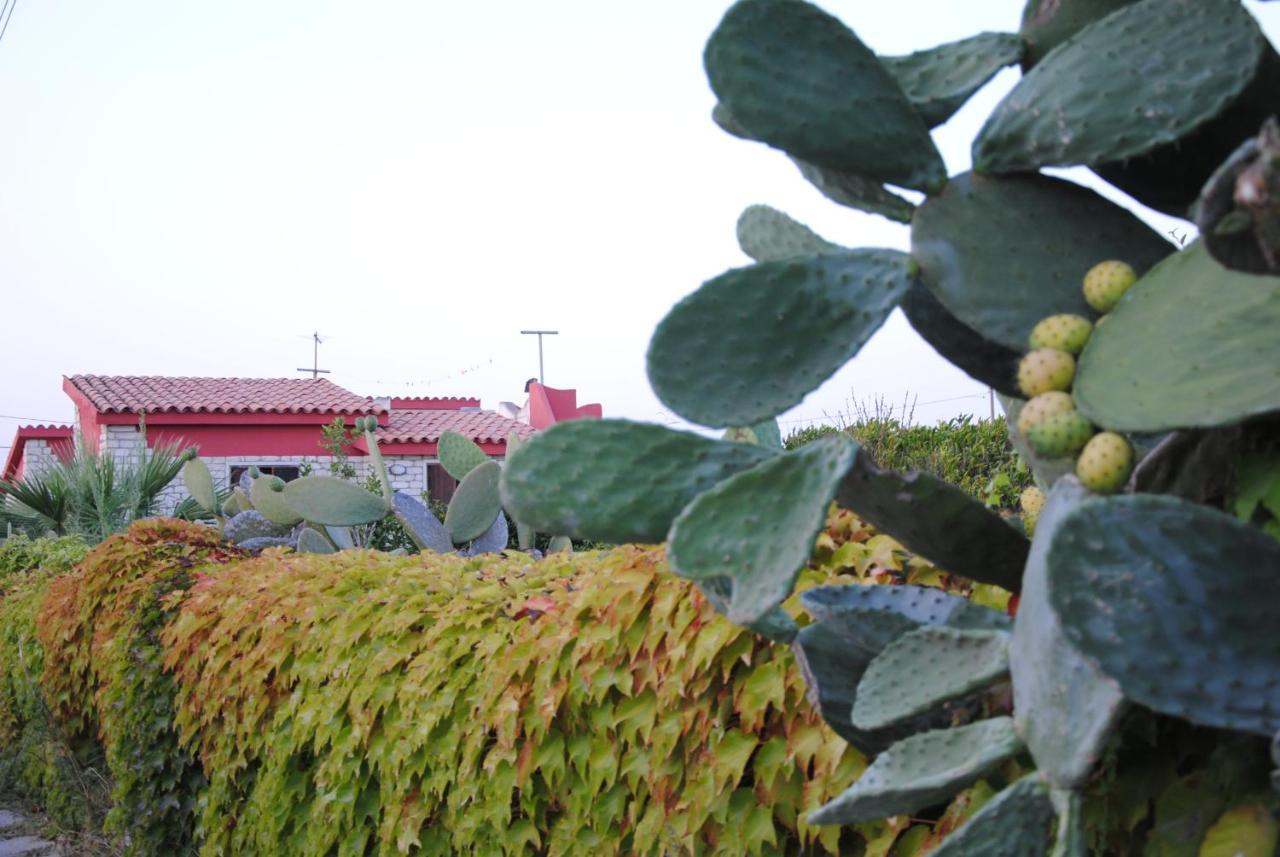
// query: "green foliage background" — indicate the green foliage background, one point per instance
point(974, 455)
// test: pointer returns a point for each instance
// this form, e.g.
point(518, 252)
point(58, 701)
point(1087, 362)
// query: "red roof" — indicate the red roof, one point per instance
point(119, 394)
point(426, 426)
point(59, 437)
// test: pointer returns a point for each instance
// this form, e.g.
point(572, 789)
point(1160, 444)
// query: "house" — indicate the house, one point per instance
point(275, 424)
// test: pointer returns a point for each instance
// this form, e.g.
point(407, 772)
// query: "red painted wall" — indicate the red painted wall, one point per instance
point(233, 440)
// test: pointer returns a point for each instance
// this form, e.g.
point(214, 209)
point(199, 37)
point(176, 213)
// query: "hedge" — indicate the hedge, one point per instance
point(363, 703)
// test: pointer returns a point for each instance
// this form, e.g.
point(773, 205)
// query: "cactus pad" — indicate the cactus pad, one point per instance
point(1071, 838)
point(423, 527)
point(798, 79)
point(1015, 823)
point(1048, 23)
point(614, 480)
point(1176, 602)
point(263, 542)
point(236, 503)
point(981, 359)
point(492, 540)
point(855, 610)
point(341, 537)
point(1064, 707)
point(459, 455)
point(251, 524)
point(311, 541)
point(755, 531)
point(1215, 333)
point(936, 520)
point(768, 235)
point(333, 502)
point(560, 544)
point(925, 668)
point(857, 192)
point(268, 498)
point(832, 668)
point(1057, 114)
point(199, 482)
point(842, 188)
point(782, 328)
point(475, 504)
point(938, 81)
point(922, 771)
point(1002, 253)
point(525, 534)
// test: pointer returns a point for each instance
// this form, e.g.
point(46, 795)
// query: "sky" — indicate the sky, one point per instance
point(194, 188)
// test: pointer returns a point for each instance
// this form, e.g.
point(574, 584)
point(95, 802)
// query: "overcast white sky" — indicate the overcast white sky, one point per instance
point(192, 188)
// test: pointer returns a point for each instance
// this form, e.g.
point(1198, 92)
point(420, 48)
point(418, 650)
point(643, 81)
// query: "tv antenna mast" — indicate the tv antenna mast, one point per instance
point(540, 334)
point(315, 369)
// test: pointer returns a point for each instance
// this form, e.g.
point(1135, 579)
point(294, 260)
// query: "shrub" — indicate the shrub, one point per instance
point(20, 554)
point(974, 455)
point(102, 677)
point(586, 704)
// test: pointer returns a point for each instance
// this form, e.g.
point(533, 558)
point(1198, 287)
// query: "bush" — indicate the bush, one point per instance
point(20, 554)
point(974, 455)
point(585, 704)
point(365, 703)
point(98, 627)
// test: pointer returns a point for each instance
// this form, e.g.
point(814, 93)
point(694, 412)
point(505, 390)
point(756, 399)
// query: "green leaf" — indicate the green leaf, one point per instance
point(989, 362)
point(1003, 253)
point(475, 504)
point(938, 81)
point(1054, 116)
point(616, 481)
point(745, 540)
point(1064, 706)
point(781, 329)
point(798, 79)
point(768, 235)
point(1242, 831)
point(333, 502)
point(937, 520)
point(922, 771)
point(1203, 377)
point(1016, 823)
point(926, 668)
point(1176, 603)
point(459, 455)
point(199, 482)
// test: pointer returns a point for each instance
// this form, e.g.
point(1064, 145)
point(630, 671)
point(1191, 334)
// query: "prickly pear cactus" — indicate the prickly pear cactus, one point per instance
point(1129, 368)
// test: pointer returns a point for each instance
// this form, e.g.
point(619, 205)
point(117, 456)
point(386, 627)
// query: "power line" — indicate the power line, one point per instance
point(10, 5)
point(33, 419)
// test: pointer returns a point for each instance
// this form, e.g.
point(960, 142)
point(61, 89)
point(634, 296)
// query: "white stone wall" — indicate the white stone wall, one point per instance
point(37, 457)
point(407, 472)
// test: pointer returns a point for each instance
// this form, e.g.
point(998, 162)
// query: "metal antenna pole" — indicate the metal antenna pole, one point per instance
point(315, 369)
point(540, 334)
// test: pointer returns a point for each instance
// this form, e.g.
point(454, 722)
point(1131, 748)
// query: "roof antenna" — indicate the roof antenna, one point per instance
point(315, 369)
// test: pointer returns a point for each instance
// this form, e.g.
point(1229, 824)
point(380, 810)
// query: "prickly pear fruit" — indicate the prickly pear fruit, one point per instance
point(1032, 501)
point(1106, 283)
point(1044, 405)
point(1105, 463)
point(1045, 370)
point(1060, 435)
point(1065, 332)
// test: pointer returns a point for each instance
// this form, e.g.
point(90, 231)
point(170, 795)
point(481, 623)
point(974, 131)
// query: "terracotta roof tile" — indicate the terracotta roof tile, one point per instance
point(426, 426)
point(155, 394)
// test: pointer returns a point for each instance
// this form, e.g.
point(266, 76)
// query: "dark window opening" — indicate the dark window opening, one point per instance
point(287, 472)
point(440, 485)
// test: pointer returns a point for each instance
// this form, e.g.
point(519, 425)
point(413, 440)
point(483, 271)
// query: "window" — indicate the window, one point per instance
point(440, 485)
point(287, 472)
